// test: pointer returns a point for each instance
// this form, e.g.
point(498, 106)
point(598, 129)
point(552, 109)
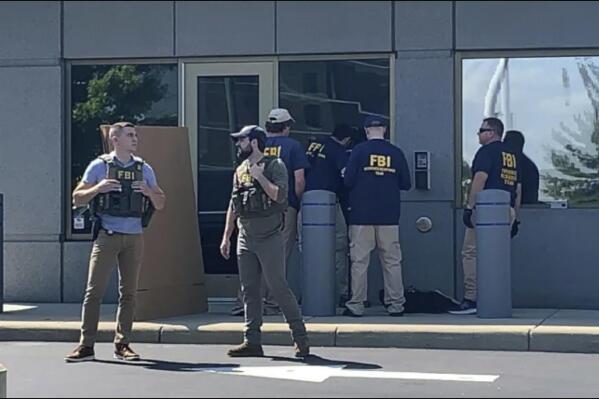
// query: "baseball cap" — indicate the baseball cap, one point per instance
point(374, 121)
point(342, 131)
point(249, 131)
point(279, 115)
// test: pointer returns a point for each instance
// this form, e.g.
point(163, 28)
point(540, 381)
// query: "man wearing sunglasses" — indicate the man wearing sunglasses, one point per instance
point(495, 166)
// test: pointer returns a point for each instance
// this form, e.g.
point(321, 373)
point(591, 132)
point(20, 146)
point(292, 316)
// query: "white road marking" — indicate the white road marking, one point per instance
point(323, 373)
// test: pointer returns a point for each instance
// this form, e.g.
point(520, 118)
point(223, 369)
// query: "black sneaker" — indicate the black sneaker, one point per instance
point(246, 350)
point(81, 354)
point(466, 307)
point(124, 352)
point(349, 313)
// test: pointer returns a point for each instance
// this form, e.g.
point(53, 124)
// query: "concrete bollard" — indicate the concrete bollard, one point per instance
point(493, 246)
point(318, 253)
point(1, 252)
point(2, 381)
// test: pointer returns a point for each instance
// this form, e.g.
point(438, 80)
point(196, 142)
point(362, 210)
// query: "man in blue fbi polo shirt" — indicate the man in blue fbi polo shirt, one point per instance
point(495, 166)
point(376, 172)
point(293, 155)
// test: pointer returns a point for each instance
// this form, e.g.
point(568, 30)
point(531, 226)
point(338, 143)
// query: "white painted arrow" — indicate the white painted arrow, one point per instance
point(323, 373)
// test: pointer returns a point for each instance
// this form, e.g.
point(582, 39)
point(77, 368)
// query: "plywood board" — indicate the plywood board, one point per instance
point(171, 281)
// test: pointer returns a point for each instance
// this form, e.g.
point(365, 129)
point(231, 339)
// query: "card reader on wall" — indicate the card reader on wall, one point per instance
point(422, 170)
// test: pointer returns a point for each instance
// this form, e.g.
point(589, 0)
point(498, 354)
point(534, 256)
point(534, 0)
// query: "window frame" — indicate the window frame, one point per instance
point(181, 62)
point(489, 54)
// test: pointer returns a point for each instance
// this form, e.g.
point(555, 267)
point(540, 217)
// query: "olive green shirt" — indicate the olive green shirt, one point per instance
point(263, 223)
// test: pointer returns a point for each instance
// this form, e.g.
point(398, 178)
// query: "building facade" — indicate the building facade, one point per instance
point(66, 67)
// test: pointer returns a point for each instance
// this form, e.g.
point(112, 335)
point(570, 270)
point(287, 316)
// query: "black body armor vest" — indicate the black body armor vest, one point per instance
point(126, 203)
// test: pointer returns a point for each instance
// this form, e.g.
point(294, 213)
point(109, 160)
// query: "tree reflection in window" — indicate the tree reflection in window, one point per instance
point(578, 164)
point(554, 102)
point(103, 94)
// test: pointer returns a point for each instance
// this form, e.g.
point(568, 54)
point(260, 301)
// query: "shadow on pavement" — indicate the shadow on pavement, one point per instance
point(164, 365)
point(314, 360)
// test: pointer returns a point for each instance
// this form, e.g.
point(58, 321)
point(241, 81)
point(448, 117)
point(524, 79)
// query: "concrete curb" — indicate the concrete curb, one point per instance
point(565, 339)
point(547, 330)
point(508, 338)
point(3, 373)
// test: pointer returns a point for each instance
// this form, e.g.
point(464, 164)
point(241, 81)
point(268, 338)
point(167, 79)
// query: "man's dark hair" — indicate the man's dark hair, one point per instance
point(342, 131)
point(514, 139)
point(277, 127)
point(495, 124)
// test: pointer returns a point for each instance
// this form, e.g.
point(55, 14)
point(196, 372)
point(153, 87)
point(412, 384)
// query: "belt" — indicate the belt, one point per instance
point(112, 232)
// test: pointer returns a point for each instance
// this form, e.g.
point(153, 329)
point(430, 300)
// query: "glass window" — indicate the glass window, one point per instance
point(554, 102)
point(322, 94)
point(145, 94)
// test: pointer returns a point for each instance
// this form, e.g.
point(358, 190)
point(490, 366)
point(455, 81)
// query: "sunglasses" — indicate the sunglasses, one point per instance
point(484, 129)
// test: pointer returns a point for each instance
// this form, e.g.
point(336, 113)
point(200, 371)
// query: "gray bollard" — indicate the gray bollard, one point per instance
point(1, 252)
point(2, 381)
point(318, 253)
point(493, 246)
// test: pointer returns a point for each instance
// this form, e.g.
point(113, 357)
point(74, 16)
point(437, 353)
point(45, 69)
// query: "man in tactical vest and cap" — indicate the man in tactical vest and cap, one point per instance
point(122, 192)
point(258, 201)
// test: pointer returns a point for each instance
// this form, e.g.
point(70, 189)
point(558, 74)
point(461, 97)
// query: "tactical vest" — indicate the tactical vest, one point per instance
point(249, 198)
point(124, 203)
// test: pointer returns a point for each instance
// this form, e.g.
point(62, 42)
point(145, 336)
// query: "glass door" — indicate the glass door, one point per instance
point(220, 98)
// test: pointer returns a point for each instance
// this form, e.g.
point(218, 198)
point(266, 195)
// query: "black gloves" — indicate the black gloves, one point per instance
point(467, 218)
point(514, 231)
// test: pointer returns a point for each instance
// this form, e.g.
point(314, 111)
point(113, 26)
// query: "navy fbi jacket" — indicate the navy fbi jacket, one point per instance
point(376, 172)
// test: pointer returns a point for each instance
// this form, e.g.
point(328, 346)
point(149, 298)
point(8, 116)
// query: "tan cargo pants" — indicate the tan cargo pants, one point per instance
point(364, 239)
point(108, 250)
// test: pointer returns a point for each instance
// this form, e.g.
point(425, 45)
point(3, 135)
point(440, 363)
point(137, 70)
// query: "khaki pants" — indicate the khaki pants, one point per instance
point(108, 250)
point(263, 260)
point(469, 260)
point(289, 241)
point(363, 239)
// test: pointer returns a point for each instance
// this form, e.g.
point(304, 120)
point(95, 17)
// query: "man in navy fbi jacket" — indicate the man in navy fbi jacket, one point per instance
point(376, 172)
point(328, 157)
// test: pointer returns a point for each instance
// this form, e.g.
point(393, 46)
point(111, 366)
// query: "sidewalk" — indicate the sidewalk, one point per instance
point(551, 330)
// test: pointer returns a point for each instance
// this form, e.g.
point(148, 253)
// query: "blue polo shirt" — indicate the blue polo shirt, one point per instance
point(293, 156)
point(327, 158)
point(376, 172)
point(502, 166)
point(96, 172)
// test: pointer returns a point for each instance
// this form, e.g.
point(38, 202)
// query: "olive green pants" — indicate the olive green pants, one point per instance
point(259, 258)
point(108, 250)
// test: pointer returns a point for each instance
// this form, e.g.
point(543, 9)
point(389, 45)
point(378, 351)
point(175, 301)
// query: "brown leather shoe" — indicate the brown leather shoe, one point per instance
point(81, 354)
point(124, 352)
point(301, 350)
point(246, 350)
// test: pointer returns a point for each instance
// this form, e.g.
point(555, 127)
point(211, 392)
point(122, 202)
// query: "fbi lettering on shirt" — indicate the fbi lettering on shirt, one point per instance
point(316, 150)
point(273, 151)
point(509, 174)
point(379, 164)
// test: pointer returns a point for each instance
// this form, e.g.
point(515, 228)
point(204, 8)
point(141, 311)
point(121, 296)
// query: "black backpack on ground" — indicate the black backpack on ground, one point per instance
point(421, 301)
